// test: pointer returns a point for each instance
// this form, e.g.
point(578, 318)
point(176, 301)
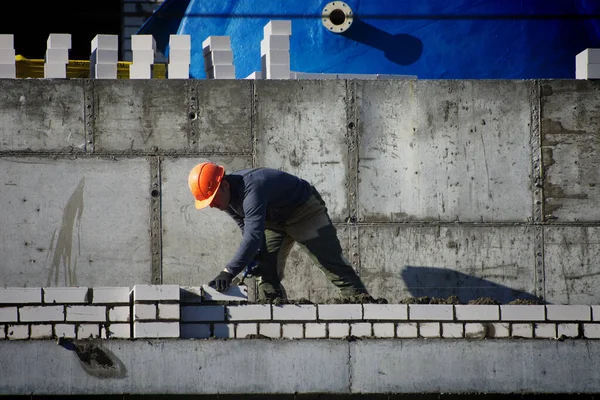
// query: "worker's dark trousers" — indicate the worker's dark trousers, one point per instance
point(310, 227)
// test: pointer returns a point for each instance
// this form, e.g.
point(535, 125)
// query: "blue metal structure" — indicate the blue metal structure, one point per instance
point(433, 39)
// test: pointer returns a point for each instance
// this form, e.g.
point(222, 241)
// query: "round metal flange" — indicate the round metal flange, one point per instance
point(337, 17)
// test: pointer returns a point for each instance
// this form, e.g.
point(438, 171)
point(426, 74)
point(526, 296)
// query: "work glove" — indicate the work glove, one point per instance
point(222, 281)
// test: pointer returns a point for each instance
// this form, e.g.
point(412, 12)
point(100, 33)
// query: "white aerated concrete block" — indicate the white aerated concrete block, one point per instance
point(104, 71)
point(17, 332)
point(384, 329)
point(568, 330)
point(213, 43)
point(41, 313)
point(422, 312)
point(8, 314)
point(243, 330)
point(221, 72)
point(65, 331)
point(279, 57)
point(385, 311)
point(248, 312)
point(292, 331)
point(144, 312)
point(218, 57)
point(156, 329)
point(140, 71)
point(143, 42)
point(20, 296)
point(86, 313)
point(194, 331)
point(202, 313)
point(7, 41)
point(233, 293)
point(340, 311)
point(291, 312)
point(338, 330)
point(118, 331)
point(315, 330)
point(8, 71)
point(66, 295)
point(59, 41)
point(143, 56)
point(106, 42)
point(2, 332)
point(180, 42)
point(190, 295)
point(595, 313)
point(589, 56)
point(589, 71)
point(168, 311)
point(361, 329)
point(429, 329)
point(270, 329)
point(42, 331)
point(7, 56)
point(453, 330)
point(407, 330)
point(476, 312)
point(499, 330)
point(180, 56)
point(111, 295)
point(255, 75)
point(104, 56)
point(475, 331)
point(178, 71)
point(55, 71)
point(568, 313)
point(544, 331)
point(274, 42)
point(88, 331)
point(591, 331)
point(156, 292)
point(278, 27)
point(224, 331)
point(56, 56)
point(522, 312)
point(522, 330)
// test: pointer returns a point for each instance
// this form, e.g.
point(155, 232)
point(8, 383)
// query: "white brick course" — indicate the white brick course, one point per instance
point(407, 330)
point(190, 294)
point(591, 331)
point(42, 331)
point(194, 331)
point(302, 312)
point(545, 330)
point(17, 332)
point(384, 329)
point(499, 330)
point(155, 329)
point(452, 330)
point(88, 331)
point(20, 295)
point(385, 311)
point(8, 314)
point(86, 313)
point(429, 329)
point(270, 329)
point(144, 312)
point(119, 314)
point(477, 312)
point(224, 331)
point(111, 295)
point(168, 311)
point(243, 330)
point(568, 313)
point(522, 313)
point(233, 293)
point(292, 331)
point(41, 313)
point(66, 295)
point(65, 330)
point(156, 293)
point(361, 329)
point(340, 311)
point(248, 312)
point(522, 330)
point(475, 331)
point(202, 313)
point(431, 312)
point(315, 330)
point(568, 330)
point(338, 330)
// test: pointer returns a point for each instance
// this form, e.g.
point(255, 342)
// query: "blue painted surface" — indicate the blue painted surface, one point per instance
point(433, 39)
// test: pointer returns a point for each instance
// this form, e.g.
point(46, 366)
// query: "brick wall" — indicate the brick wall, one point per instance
point(171, 311)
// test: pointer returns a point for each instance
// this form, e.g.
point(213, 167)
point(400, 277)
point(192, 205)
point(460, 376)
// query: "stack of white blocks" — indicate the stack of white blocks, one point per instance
point(57, 55)
point(143, 48)
point(104, 57)
point(218, 58)
point(587, 64)
point(8, 68)
point(156, 310)
point(275, 50)
point(180, 49)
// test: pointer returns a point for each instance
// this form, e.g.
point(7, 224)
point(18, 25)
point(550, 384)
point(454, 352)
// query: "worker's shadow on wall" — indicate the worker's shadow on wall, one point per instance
point(443, 283)
point(400, 49)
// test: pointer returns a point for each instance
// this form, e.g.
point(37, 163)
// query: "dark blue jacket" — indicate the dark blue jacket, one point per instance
point(259, 195)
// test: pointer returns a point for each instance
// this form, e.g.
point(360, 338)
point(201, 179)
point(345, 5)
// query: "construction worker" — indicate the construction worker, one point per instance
point(274, 210)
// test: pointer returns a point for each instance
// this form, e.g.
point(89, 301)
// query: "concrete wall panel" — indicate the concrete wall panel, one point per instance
point(445, 150)
point(571, 257)
point(41, 115)
point(571, 150)
point(301, 128)
point(196, 244)
point(74, 222)
point(465, 261)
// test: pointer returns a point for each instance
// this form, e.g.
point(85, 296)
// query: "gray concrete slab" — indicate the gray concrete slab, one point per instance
point(465, 261)
point(196, 244)
point(445, 150)
point(42, 115)
point(571, 149)
point(571, 257)
point(70, 222)
point(301, 128)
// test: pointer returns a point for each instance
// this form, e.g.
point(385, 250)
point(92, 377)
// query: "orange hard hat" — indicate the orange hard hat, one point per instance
point(204, 181)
